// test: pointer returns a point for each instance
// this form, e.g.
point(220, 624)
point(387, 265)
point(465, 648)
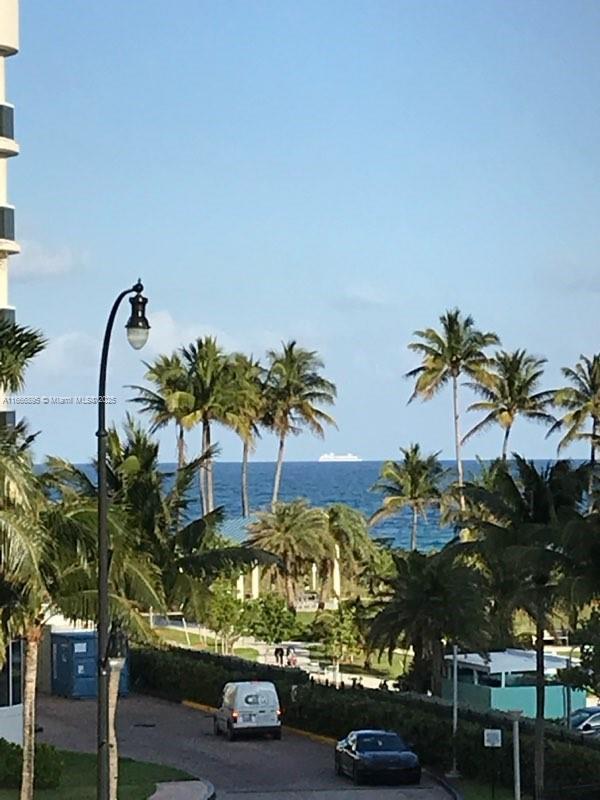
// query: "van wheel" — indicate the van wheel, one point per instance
point(216, 729)
point(230, 734)
point(277, 735)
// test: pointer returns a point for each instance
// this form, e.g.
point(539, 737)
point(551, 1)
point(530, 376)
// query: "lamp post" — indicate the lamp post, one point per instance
point(137, 334)
point(454, 773)
point(516, 715)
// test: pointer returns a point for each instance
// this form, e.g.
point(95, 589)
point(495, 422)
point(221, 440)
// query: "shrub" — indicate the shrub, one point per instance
point(48, 766)
point(177, 674)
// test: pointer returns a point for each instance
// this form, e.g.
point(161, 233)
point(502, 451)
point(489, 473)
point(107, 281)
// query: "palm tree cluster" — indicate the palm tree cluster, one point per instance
point(160, 557)
point(533, 548)
point(305, 538)
point(508, 384)
point(203, 385)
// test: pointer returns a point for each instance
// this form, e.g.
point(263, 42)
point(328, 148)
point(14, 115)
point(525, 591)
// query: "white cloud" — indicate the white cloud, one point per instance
point(68, 354)
point(168, 334)
point(38, 261)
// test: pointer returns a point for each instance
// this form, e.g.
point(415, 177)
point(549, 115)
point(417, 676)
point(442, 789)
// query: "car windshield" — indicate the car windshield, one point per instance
point(379, 742)
point(577, 717)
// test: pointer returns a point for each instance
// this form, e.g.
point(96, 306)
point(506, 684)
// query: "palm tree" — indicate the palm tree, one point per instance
point(458, 349)
point(412, 483)
point(419, 609)
point(509, 388)
point(581, 405)
point(18, 345)
point(521, 525)
point(353, 548)
point(246, 412)
point(294, 391)
point(48, 565)
point(210, 382)
point(297, 534)
point(170, 400)
point(188, 551)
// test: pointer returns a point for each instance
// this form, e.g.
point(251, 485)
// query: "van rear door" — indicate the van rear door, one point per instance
point(260, 707)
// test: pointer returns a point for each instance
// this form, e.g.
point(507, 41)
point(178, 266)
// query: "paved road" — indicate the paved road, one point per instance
point(295, 768)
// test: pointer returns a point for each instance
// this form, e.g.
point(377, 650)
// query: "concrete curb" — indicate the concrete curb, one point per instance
point(199, 789)
point(454, 793)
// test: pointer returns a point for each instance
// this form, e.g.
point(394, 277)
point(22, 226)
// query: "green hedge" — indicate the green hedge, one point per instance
point(177, 674)
point(48, 766)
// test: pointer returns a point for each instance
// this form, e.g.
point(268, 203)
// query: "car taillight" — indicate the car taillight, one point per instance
point(234, 716)
point(279, 712)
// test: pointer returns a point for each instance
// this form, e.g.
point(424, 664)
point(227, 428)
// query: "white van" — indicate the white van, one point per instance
point(248, 707)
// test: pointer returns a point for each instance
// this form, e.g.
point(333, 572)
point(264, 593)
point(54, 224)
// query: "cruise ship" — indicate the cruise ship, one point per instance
point(337, 458)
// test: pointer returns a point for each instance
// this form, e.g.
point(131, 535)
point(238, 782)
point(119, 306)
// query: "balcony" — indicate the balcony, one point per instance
point(8, 146)
point(7, 230)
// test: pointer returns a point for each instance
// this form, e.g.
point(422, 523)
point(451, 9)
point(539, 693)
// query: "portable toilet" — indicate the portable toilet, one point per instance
point(75, 665)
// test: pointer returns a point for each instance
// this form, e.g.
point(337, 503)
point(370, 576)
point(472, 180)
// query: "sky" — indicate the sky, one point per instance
point(337, 173)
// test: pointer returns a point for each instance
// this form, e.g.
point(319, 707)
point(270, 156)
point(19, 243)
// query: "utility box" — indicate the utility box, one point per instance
point(75, 665)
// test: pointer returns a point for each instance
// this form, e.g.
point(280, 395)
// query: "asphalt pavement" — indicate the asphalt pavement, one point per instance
point(295, 768)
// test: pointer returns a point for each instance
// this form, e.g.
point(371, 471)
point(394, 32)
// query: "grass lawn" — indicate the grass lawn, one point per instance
point(137, 780)
point(179, 637)
point(472, 790)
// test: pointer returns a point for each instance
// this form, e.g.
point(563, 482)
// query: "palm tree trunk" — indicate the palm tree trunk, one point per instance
point(289, 585)
point(180, 447)
point(278, 466)
point(592, 464)
point(413, 535)
point(459, 466)
point(202, 473)
point(324, 576)
point(32, 639)
point(437, 663)
point(419, 670)
point(210, 492)
point(245, 502)
point(505, 442)
point(114, 677)
point(540, 697)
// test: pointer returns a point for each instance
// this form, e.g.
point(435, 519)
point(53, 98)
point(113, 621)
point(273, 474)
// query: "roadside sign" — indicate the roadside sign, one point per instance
point(492, 737)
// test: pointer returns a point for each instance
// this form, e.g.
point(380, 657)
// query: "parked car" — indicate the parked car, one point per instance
point(370, 753)
point(248, 707)
point(586, 720)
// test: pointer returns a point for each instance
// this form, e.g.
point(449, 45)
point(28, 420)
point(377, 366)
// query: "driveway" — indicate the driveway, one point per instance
point(296, 768)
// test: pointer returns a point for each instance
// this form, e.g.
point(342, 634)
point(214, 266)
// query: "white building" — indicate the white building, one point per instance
point(11, 695)
point(11, 678)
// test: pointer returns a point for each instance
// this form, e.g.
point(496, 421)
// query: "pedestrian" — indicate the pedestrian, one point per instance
point(279, 656)
point(290, 654)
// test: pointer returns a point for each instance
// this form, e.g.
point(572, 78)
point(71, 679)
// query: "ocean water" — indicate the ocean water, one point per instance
point(323, 484)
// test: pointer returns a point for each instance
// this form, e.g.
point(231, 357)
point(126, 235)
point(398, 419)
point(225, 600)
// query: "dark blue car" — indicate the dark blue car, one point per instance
point(370, 754)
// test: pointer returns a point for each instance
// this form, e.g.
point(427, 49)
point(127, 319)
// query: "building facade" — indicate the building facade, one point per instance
point(11, 675)
point(9, 45)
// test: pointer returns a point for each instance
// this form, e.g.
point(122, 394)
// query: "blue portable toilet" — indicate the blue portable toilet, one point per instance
point(74, 665)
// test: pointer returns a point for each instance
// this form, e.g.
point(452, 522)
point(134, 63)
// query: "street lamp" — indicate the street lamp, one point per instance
point(454, 773)
point(137, 334)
